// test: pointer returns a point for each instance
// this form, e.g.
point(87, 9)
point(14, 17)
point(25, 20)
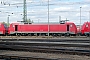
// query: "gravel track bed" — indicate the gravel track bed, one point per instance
point(48, 55)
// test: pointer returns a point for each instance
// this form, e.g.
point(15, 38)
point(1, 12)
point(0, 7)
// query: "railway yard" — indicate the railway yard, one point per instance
point(44, 30)
point(31, 48)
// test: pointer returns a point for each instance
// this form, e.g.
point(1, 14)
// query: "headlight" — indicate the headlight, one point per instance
point(70, 25)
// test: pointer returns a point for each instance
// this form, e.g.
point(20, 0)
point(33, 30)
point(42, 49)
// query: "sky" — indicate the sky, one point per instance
point(37, 10)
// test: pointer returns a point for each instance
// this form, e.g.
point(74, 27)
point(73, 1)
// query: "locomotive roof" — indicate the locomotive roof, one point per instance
point(43, 23)
point(87, 23)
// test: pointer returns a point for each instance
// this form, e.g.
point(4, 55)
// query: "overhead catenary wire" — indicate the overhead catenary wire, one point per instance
point(45, 4)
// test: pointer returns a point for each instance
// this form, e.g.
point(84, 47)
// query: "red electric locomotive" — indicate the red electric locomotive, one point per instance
point(86, 29)
point(2, 29)
point(68, 28)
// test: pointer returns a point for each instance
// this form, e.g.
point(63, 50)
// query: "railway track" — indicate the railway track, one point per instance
point(44, 37)
point(46, 43)
point(48, 47)
point(77, 40)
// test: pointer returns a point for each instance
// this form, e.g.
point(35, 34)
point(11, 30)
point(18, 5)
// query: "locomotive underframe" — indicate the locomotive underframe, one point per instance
point(42, 33)
point(87, 33)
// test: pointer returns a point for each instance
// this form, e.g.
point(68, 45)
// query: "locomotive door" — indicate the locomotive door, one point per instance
point(16, 27)
point(68, 28)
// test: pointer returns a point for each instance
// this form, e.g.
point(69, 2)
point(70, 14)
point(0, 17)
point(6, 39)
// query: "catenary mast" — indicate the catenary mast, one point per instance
point(24, 11)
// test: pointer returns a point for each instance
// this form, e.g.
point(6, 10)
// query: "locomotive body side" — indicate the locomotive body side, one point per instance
point(27, 29)
point(32, 29)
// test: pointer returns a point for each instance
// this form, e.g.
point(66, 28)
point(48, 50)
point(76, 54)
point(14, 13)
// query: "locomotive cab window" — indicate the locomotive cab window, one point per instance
point(71, 26)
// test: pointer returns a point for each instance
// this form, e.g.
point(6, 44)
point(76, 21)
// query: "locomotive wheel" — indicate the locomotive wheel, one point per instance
point(67, 35)
point(60, 35)
point(22, 34)
point(18, 34)
point(29, 34)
